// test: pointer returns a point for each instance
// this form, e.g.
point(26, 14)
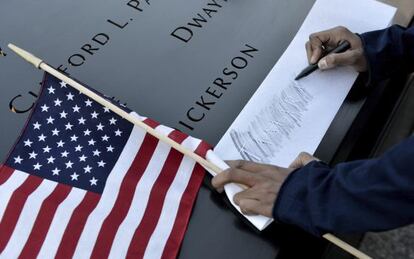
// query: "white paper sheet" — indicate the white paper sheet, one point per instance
point(285, 117)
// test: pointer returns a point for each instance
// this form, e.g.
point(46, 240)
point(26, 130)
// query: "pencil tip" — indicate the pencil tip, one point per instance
point(300, 75)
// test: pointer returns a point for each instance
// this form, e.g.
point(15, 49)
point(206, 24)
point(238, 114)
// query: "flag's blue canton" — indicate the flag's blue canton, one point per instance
point(70, 139)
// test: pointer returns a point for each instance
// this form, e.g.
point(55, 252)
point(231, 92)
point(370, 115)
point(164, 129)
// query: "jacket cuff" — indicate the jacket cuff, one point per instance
point(370, 56)
point(385, 52)
point(290, 205)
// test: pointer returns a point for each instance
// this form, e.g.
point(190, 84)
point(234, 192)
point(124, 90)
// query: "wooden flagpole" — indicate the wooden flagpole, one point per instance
point(40, 64)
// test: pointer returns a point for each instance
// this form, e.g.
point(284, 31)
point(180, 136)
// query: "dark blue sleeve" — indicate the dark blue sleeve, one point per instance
point(389, 51)
point(360, 196)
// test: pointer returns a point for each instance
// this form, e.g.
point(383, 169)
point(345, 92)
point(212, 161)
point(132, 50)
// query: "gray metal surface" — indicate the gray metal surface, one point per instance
point(158, 76)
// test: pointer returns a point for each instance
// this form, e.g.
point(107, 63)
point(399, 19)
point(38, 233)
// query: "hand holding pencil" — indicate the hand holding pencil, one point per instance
point(319, 42)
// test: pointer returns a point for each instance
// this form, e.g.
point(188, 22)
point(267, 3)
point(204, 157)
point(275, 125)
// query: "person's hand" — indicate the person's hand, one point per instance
point(302, 159)
point(330, 39)
point(263, 182)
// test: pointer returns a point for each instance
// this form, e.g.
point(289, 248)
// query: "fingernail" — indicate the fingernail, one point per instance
point(323, 64)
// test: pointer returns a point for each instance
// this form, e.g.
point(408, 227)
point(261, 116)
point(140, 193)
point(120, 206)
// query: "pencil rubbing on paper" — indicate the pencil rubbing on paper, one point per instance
point(274, 124)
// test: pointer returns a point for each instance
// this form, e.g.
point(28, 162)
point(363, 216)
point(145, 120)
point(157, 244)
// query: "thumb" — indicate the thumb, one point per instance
point(302, 159)
point(340, 59)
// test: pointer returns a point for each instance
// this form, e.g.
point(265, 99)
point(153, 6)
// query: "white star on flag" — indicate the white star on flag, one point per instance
point(118, 133)
point(55, 171)
point(42, 138)
point(69, 164)
point(32, 155)
point(70, 96)
point(46, 149)
point(112, 121)
point(87, 132)
point(51, 90)
point(44, 108)
point(68, 126)
point(81, 121)
point(93, 181)
point(51, 160)
point(74, 176)
point(37, 125)
point(58, 102)
point(28, 143)
point(18, 160)
point(76, 108)
point(94, 115)
point(96, 152)
point(50, 120)
point(101, 163)
point(37, 166)
point(64, 154)
point(87, 169)
point(63, 114)
point(55, 132)
point(78, 148)
point(100, 126)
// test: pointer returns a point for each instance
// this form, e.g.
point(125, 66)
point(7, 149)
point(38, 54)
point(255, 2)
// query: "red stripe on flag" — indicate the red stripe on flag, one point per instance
point(177, 136)
point(43, 220)
point(183, 215)
point(184, 211)
point(5, 173)
point(123, 202)
point(76, 225)
point(152, 123)
point(203, 148)
point(152, 213)
point(15, 207)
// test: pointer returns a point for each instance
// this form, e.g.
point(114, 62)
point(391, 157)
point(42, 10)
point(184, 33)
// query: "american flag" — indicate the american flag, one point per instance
point(82, 182)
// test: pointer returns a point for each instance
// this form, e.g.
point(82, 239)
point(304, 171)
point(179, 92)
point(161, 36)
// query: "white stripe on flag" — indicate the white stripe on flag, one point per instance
point(27, 218)
point(108, 198)
point(59, 223)
point(172, 201)
point(141, 118)
point(139, 202)
point(7, 189)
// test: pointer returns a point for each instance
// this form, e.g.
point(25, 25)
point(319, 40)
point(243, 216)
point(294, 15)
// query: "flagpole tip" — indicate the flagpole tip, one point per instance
point(29, 57)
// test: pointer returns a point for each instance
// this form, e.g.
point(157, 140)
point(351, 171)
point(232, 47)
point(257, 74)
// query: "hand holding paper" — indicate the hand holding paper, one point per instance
point(264, 182)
